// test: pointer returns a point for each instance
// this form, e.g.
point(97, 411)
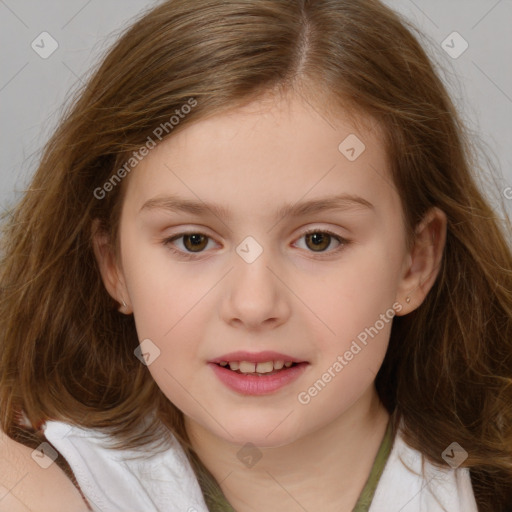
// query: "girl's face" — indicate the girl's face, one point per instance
point(250, 279)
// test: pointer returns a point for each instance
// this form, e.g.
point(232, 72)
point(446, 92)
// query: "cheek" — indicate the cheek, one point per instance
point(162, 291)
point(351, 343)
point(169, 303)
point(355, 306)
point(361, 287)
point(177, 330)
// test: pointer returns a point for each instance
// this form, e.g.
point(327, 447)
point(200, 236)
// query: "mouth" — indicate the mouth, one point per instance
point(266, 368)
point(261, 363)
point(257, 374)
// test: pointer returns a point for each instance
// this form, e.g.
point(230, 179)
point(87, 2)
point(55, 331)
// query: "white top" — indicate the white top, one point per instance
point(126, 480)
point(402, 487)
point(112, 481)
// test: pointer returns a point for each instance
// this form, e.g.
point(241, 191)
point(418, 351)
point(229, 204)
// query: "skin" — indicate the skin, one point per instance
point(27, 487)
point(294, 298)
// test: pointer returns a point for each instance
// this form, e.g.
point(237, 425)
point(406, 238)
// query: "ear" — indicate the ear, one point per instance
point(423, 262)
point(111, 272)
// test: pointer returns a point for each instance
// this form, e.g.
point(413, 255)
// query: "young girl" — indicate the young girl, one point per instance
point(254, 272)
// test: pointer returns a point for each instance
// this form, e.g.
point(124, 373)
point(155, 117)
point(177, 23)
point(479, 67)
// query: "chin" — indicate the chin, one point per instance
point(269, 432)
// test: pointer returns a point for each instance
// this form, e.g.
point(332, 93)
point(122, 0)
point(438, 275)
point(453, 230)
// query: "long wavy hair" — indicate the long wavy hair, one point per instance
point(67, 353)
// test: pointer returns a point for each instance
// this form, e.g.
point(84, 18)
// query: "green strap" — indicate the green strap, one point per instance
point(217, 502)
point(366, 496)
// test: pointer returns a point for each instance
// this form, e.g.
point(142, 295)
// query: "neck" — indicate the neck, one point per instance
point(327, 467)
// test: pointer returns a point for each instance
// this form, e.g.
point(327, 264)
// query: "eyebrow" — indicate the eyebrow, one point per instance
point(341, 202)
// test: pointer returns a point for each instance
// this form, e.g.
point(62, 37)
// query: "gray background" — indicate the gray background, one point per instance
point(34, 90)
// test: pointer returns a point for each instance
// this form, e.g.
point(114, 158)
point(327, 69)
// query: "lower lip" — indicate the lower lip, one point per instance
point(255, 385)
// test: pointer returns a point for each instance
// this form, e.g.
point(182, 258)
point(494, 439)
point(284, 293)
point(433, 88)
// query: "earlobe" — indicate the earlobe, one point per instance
point(423, 261)
point(111, 274)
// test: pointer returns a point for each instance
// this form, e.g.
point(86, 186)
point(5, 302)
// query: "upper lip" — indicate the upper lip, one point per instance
point(256, 357)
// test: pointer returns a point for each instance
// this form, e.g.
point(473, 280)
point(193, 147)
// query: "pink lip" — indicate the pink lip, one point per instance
point(255, 357)
point(255, 385)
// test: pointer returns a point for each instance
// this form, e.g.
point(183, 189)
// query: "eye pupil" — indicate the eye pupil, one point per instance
point(318, 238)
point(196, 240)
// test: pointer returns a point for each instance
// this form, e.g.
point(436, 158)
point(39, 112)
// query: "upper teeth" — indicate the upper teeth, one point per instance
point(247, 367)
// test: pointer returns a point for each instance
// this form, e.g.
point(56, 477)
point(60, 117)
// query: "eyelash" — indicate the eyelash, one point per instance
point(195, 256)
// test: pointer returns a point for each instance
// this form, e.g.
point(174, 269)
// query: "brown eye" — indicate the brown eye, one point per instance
point(192, 243)
point(195, 242)
point(318, 240)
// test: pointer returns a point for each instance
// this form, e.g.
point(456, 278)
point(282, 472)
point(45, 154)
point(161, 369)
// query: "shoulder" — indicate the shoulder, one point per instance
point(25, 486)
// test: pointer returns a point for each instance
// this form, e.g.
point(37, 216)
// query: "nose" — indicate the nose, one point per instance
point(255, 294)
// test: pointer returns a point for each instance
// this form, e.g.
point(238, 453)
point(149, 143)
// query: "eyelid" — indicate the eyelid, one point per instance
point(343, 242)
point(167, 242)
point(199, 255)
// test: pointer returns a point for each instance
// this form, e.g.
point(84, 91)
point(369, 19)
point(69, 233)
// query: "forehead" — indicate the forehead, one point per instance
point(272, 151)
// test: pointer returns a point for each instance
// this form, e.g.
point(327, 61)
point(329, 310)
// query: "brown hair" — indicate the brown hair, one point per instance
point(68, 354)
